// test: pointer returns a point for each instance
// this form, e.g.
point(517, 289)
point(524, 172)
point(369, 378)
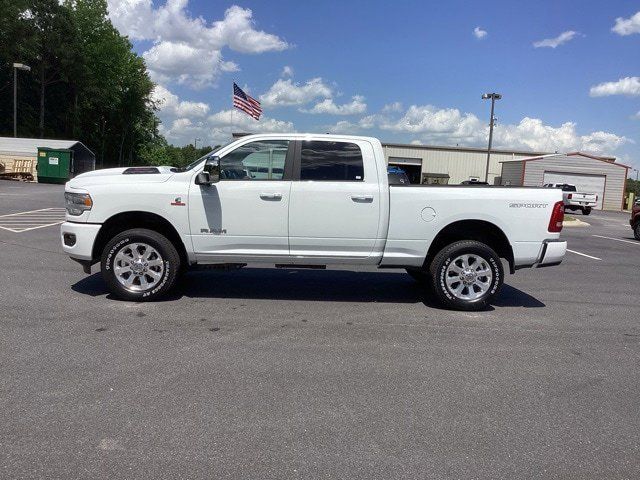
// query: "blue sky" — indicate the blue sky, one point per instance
point(405, 71)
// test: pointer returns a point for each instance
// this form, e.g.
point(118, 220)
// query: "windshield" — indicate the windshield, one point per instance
point(198, 161)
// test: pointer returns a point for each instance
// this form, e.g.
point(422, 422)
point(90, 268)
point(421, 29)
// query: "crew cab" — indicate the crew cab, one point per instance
point(574, 200)
point(305, 200)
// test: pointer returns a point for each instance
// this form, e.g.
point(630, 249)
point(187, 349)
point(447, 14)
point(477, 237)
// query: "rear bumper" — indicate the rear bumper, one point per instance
point(78, 238)
point(552, 253)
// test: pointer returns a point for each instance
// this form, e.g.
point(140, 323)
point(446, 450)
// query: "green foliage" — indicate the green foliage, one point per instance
point(86, 82)
point(633, 186)
point(160, 153)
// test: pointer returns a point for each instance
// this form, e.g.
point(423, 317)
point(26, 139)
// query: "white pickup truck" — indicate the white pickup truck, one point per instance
point(305, 200)
point(574, 200)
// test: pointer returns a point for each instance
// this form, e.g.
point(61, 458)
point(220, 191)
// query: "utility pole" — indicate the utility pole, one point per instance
point(16, 67)
point(493, 97)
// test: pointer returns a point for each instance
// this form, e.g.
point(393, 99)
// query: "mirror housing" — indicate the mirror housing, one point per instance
point(211, 172)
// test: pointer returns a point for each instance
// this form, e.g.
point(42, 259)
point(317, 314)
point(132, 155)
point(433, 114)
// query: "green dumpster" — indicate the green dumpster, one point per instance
point(54, 165)
point(58, 165)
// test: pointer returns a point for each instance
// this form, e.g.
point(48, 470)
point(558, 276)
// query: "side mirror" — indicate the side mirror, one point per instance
point(211, 172)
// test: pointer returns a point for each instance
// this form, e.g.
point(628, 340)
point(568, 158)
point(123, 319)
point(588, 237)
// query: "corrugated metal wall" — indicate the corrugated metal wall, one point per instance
point(511, 173)
point(460, 165)
point(616, 174)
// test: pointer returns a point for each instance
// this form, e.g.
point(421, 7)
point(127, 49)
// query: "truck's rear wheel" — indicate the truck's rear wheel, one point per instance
point(636, 231)
point(140, 265)
point(466, 275)
point(586, 210)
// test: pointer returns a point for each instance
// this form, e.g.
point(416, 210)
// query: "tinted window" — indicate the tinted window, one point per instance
point(261, 160)
point(337, 161)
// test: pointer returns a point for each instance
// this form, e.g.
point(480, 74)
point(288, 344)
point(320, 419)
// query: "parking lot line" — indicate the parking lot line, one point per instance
point(617, 239)
point(583, 254)
point(30, 220)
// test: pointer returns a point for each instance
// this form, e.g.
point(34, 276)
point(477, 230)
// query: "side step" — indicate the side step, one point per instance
point(219, 266)
point(297, 266)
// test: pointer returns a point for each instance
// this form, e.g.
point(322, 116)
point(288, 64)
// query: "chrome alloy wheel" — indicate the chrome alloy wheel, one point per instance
point(138, 267)
point(468, 277)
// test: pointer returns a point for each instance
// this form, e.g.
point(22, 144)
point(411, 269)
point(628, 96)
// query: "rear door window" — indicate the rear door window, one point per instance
point(331, 161)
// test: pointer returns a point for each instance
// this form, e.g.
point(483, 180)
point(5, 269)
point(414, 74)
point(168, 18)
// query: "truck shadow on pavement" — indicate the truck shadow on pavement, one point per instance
point(329, 286)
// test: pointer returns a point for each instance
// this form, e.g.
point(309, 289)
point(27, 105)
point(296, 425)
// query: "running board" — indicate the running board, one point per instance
point(295, 265)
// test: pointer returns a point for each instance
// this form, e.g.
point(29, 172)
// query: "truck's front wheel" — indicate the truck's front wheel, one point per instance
point(466, 275)
point(139, 264)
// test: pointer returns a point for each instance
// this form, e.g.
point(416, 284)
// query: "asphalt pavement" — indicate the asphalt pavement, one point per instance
point(347, 373)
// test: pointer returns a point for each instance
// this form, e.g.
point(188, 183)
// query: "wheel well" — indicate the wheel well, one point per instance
point(479, 230)
point(127, 220)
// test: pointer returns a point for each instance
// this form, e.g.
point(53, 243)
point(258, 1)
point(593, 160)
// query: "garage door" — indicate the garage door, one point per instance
point(584, 183)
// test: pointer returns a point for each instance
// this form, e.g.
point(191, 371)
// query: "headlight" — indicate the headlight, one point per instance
point(76, 203)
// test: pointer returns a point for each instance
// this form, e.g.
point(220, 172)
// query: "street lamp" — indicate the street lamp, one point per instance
point(195, 143)
point(493, 97)
point(16, 67)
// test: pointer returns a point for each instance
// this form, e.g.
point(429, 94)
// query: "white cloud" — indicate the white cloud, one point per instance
point(627, 26)
point(392, 107)
point(564, 37)
point(287, 71)
point(450, 126)
point(479, 33)
point(182, 121)
point(187, 49)
point(629, 86)
point(286, 93)
point(355, 107)
point(168, 103)
point(636, 116)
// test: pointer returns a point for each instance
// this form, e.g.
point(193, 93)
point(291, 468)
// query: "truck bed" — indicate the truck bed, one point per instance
point(419, 212)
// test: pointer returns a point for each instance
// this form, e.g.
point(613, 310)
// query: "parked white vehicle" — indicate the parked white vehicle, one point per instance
point(574, 200)
point(305, 200)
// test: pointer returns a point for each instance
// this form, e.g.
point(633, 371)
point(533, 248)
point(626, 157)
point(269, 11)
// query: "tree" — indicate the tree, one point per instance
point(86, 83)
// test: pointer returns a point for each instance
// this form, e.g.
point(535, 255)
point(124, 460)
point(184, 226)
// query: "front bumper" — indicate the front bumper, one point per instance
point(78, 239)
point(552, 253)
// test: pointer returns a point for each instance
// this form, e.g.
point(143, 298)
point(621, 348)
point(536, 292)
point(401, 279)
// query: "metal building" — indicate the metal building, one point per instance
point(589, 173)
point(449, 165)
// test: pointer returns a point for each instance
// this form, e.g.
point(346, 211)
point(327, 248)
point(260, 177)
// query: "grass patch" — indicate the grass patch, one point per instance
point(567, 218)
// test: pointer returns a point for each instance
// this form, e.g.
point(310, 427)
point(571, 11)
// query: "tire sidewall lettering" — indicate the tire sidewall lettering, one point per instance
point(495, 282)
point(121, 243)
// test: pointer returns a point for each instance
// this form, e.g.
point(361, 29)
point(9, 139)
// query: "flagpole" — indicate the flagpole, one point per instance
point(232, 107)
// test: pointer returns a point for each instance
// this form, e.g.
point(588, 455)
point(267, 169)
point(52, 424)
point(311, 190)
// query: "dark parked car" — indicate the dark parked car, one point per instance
point(635, 219)
point(473, 182)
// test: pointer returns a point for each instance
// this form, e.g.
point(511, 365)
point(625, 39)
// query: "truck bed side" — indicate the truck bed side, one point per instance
point(419, 213)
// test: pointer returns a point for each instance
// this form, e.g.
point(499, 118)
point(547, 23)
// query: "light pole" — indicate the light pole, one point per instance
point(195, 143)
point(16, 67)
point(493, 97)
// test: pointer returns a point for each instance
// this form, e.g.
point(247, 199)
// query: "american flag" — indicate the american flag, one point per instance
point(247, 104)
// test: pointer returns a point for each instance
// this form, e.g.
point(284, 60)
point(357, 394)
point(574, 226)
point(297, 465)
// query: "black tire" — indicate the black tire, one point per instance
point(166, 256)
point(586, 210)
point(419, 275)
point(636, 231)
point(440, 265)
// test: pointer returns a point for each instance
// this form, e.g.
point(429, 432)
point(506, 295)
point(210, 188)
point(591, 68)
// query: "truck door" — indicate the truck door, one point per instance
point(334, 209)
point(246, 212)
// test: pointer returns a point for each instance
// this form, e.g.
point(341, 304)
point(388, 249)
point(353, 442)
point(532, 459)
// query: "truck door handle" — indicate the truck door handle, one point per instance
point(362, 198)
point(271, 196)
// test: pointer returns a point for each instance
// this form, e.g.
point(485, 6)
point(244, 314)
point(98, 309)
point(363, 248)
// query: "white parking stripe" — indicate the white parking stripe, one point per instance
point(583, 254)
point(617, 239)
point(32, 219)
